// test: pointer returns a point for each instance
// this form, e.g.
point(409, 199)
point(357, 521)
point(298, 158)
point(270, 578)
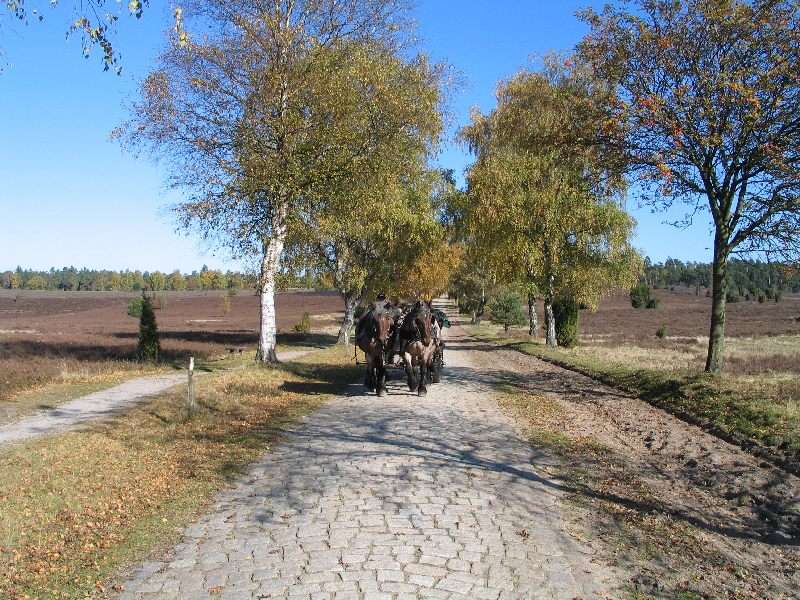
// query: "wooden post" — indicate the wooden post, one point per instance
point(191, 402)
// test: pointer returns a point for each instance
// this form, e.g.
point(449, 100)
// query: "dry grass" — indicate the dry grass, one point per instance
point(77, 507)
point(621, 516)
point(33, 384)
point(757, 400)
point(57, 337)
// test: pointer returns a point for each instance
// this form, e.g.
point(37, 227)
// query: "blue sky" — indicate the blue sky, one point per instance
point(69, 196)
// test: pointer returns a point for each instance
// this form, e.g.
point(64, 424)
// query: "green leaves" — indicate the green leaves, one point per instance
point(543, 208)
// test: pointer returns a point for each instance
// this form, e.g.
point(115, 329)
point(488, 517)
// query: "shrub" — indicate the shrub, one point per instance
point(762, 298)
point(149, 345)
point(640, 296)
point(732, 297)
point(135, 307)
point(506, 310)
point(226, 305)
point(661, 332)
point(778, 296)
point(304, 326)
point(652, 303)
point(565, 311)
point(232, 292)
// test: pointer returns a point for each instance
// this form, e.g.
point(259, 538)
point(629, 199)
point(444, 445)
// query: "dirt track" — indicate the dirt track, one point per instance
point(736, 519)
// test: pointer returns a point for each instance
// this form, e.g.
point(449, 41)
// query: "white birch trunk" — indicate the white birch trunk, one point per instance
point(270, 263)
point(549, 317)
point(351, 302)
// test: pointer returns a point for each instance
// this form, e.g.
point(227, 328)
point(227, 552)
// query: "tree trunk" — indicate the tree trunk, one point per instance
point(351, 302)
point(549, 317)
point(270, 263)
point(719, 294)
point(533, 318)
point(550, 323)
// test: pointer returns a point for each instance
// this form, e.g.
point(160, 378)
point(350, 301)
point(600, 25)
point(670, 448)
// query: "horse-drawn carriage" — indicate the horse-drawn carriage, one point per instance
point(386, 331)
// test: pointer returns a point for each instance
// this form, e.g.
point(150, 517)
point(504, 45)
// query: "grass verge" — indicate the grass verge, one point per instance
point(613, 510)
point(78, 507)
point(760, 413)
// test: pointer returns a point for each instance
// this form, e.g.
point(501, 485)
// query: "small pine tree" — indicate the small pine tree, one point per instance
point(149, 345)
point(507, 311)
point(565, 311)
point(640, 296)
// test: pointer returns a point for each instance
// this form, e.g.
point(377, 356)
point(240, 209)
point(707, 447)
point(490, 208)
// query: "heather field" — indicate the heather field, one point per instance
point(58, 345)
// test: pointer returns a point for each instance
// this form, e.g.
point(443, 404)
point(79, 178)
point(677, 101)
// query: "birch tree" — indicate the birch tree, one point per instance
point(709, 94)
point(366, 252)
point(543, 206)
point(281, 101)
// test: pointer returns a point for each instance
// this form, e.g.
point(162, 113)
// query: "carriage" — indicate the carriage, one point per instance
point(386, 331)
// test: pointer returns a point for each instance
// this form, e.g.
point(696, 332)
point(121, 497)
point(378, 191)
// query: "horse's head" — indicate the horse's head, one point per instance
point(383, 321)
point(422, 321)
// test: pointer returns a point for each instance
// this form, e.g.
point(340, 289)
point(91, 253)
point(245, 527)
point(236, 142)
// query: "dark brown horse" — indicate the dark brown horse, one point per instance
point(372, 336)
point(418, 348)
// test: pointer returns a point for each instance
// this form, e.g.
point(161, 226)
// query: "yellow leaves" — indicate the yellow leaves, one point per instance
point(664, 171)
point(74, 504)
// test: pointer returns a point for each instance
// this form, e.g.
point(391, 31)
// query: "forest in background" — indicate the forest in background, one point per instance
point(747, 278)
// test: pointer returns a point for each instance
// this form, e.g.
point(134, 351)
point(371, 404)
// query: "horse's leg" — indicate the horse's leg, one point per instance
point(409, 370)
point(381, 376)
point(423, 376)
point(436, 377)
point(370, 381)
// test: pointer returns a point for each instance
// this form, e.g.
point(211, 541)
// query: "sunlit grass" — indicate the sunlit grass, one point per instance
point(757, 398)
point(76, 507)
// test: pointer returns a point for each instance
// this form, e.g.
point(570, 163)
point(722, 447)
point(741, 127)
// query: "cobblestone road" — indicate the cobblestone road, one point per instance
point(393, 498)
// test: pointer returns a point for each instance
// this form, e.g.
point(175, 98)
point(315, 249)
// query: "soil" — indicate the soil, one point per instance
point(679, 508)
point(190, 321)
point(48, 337)
point(688, 315)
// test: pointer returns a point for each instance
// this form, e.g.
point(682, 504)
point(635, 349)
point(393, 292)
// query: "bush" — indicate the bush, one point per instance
point(506, 310)
point(778, 296)
point(640, 296)
point(135, 307)
point(304, 326)
point(652, 303)
point(232, 292)
point(661, 332)
point(149, 344)
point(762, 298)
point(732, 297)
point(565, 311)
point(226, 305)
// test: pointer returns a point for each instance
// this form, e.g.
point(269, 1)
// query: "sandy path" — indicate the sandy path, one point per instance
point(98, 405)
point(393, 498)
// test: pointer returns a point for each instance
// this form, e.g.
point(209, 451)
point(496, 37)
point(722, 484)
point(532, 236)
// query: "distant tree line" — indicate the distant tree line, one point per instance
point(73, 279)
point(745, 277)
